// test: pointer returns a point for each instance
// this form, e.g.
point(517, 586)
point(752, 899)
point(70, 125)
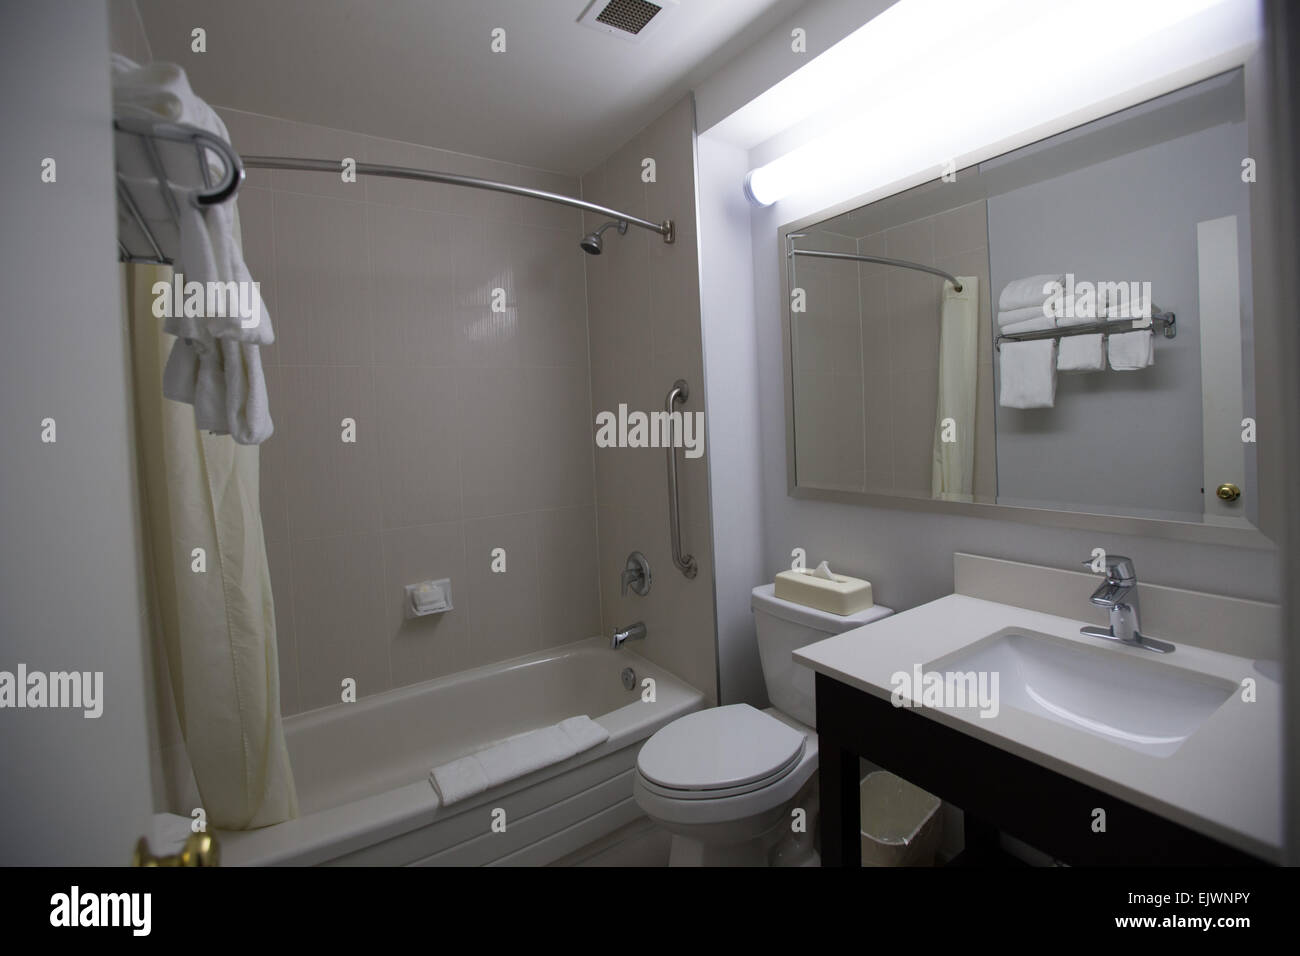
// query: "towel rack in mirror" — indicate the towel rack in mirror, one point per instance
point(1164, 322)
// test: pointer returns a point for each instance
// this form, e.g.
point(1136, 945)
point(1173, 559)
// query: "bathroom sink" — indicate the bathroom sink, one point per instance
point(1148, 706)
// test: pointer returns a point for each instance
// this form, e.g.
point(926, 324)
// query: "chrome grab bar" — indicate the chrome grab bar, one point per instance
point(685, 563)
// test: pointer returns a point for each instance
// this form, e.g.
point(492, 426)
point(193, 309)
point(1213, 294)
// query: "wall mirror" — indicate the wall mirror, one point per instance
point(1065, 333)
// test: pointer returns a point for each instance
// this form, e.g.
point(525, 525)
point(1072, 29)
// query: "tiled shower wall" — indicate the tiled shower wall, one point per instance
point(473, 426)
point(643, 301)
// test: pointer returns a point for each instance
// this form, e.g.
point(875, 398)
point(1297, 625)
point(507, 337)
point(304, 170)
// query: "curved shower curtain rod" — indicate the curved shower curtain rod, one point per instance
point(878, 260)
point(233, 166)
point(667, 229)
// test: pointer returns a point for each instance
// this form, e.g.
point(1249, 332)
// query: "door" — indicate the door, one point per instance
point(1223, 479)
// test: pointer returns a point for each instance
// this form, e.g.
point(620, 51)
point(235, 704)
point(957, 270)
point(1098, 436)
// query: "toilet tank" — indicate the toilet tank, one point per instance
point(784, 626)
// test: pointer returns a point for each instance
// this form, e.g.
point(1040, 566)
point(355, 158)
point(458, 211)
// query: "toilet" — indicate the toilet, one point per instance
point(726, 782)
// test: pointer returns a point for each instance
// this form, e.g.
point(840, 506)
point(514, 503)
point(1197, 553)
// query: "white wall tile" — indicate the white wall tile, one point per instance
point(471, 424)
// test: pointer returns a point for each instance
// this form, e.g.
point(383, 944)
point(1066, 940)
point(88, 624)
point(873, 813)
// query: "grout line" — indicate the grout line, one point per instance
point(591, 408)
point(378, 450)
point(288, 533)
point(541, 640)
point(467, 633)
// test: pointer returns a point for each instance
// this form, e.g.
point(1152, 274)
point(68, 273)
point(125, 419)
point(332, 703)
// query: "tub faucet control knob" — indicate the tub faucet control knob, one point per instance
point(636, 575)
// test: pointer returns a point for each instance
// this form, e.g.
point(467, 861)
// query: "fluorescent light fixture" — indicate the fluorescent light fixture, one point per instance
point(948, 80)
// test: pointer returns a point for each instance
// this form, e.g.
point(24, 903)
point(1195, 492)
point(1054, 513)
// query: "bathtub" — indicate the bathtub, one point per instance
point(362, 769)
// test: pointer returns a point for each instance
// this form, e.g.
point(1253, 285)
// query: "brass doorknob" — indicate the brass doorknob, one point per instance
point(200, 849)
point(1228, 491)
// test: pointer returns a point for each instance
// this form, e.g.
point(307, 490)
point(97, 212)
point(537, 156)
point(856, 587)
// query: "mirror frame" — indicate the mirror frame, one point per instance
point(1268, 413)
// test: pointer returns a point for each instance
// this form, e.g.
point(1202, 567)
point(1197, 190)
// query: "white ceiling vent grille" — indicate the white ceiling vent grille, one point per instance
point(630, 19)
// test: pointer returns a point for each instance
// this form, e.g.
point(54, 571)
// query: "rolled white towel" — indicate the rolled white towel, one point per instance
point(1030, 313)
point(1081, 353)
point(514, 757)
point(1028, 372)
point(1031, 290)
point(1036, 323)
point(1087, 306)
point(1129, 351)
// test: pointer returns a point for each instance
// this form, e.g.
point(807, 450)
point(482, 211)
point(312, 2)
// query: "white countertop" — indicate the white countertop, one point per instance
point(1224, 781)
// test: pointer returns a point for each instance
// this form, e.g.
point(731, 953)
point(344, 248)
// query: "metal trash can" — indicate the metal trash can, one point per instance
point(900, 822)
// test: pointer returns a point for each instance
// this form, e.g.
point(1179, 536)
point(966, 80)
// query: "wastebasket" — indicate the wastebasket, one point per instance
point(900, 822)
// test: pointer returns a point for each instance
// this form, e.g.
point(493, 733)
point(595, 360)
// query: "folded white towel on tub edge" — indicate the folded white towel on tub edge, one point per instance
point(514, 757)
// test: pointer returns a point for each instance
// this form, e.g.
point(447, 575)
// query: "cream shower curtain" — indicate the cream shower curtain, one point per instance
point(200, 491)
point(953, 475)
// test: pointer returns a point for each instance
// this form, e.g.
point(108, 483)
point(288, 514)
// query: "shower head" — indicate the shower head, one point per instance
point(592, 243)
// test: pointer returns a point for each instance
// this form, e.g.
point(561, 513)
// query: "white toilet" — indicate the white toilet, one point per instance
point(726, 781)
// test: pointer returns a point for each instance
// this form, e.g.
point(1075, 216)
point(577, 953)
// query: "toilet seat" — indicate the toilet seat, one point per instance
point(737, 809)
point(720, 752)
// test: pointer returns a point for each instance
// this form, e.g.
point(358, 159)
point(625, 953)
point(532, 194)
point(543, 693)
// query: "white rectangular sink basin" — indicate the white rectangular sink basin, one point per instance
point(1152, 706)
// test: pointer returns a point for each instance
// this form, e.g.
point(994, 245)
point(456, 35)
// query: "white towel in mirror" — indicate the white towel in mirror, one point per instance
point(1028, 374)
point(1081, 353)
point(1035, 324)
point(1029, 291)
point(1130, 351)
point(1033, 314)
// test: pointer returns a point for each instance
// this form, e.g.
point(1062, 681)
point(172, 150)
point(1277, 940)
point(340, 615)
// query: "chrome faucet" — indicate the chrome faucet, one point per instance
point(633, 632)
point(1119, 595)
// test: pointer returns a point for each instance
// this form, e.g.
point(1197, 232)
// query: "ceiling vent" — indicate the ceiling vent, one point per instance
point(630, 19)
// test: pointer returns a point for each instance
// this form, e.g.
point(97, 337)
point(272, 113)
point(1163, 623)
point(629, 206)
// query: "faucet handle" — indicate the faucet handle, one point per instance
point(636, 575)
point(1119, 569)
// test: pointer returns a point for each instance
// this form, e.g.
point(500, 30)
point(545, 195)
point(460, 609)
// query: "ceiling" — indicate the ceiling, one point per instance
point(561, 97)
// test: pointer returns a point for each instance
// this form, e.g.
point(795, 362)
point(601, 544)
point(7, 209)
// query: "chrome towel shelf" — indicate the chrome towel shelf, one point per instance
point(149, 133)
point(1164, 322)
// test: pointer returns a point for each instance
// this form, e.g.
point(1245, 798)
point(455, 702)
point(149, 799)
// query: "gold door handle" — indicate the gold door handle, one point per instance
point(200, 849)
point(1228, 491)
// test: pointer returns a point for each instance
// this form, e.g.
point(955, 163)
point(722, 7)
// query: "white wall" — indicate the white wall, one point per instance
point(771, 59)
point(73, 790)
point(731, 376)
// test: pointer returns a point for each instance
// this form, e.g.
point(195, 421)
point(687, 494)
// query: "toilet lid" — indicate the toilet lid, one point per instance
point(720, 748)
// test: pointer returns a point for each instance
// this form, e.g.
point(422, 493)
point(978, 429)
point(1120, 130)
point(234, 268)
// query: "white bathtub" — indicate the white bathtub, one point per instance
point(362, 769)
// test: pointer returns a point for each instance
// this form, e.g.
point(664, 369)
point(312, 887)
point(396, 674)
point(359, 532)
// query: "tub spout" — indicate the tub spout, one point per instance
point(633, 632)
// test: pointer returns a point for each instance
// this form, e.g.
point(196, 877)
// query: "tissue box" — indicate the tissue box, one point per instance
point(838, 594)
